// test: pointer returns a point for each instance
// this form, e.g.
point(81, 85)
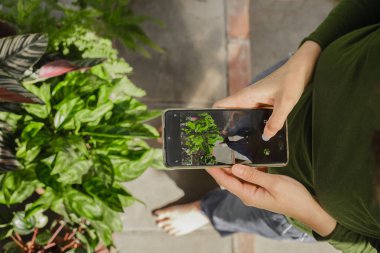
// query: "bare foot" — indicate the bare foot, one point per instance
point(181, 219)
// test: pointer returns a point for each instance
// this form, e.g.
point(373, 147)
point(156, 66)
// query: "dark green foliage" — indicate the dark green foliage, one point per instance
point(87, 135)
point(200, 137)
point(110, 19)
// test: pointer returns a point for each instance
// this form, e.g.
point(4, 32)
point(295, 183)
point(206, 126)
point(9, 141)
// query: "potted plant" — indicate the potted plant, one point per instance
point(66, 152)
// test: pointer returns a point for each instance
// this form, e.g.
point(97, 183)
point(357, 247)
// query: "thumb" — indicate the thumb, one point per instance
point(276, 121)
point(252, 175)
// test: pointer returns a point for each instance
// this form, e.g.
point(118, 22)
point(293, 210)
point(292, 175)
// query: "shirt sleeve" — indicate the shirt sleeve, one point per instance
point(346, 17)
point(348, 241)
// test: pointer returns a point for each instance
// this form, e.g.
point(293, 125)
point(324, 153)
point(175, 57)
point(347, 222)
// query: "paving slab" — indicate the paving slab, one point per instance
point(263, 245)
point(192, 71)
point(204, 241)
point(278, 26)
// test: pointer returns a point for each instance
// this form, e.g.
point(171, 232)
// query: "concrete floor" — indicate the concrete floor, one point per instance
point(192, 73)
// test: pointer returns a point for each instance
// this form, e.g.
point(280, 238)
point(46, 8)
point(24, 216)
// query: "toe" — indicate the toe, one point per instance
point(172, 232)
point(162, 213)
point(167, 228)
point(163, 222)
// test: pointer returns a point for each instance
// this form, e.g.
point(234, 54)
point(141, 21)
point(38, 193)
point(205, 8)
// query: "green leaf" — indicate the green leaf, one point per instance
point(41, 204)
point(31, 130)
point(43, 174)
point(42, 92)
point(40, 111)
point(43, 237)
point(94, 116)
point(21, 225)
point(18, 53)
point(17, 186)
point(12, 247)
point(6, 232)
point(65, 110)
point(83, 205)
point(104, 169)
point(108, 195)
point(28, 154)
point(123, 89)
point(104, 232)
point(127, 170)
point(10, 118)
point(70, 168)
point(107, 131)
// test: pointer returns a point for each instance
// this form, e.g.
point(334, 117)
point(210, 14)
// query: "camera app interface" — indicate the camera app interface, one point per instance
point(228, 137)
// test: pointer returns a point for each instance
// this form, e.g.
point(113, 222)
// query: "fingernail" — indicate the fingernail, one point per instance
point(265, 138)
point(238, 170)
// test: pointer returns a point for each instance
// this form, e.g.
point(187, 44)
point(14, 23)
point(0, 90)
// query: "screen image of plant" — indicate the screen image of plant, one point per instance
point(72, 129)
point(199, 135)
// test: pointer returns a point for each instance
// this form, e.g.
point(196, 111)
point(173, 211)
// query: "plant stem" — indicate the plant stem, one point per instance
point(72, 234)
point(56, 233)
point(70, 245)
point(49, 245)
point(34, 236)
point(20, 244)
point(18, 237)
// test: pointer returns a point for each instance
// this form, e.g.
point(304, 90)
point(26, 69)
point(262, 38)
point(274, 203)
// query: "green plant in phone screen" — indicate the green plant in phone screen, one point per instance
point(201, 134)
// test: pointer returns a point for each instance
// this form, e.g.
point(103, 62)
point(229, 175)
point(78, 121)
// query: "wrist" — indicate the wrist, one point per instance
point(319, 220)
point(305, 59)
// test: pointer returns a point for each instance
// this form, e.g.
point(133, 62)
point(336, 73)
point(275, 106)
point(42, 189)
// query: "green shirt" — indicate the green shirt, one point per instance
point(332, 127)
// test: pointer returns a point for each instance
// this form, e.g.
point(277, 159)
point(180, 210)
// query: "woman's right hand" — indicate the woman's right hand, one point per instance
point(282, 89)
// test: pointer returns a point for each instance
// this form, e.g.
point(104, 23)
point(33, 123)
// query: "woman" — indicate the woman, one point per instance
point(330, 92)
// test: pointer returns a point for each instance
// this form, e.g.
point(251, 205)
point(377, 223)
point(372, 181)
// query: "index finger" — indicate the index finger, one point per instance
point(245, 98)
point(228, 181)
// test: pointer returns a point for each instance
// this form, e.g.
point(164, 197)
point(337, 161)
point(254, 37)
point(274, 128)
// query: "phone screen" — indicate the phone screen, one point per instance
point(221, 137)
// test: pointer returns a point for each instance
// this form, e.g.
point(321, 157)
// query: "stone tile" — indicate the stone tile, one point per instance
point(192, 71)
point(239, 65)
point(263, 245)
point(278, 26)
point(238, 19)
point(204, 241)
point(157, 188)
point(243, 243)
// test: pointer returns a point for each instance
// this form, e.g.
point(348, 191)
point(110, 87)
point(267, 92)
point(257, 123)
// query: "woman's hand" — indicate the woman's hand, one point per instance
point(282, 89)
point(276, 193)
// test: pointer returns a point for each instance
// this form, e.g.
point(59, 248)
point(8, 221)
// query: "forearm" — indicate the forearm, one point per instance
point(318, 220)
point(305, 59)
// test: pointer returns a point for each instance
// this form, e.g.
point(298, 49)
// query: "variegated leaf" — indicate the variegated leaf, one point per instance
point(87, 63)
point(18, 53)
point(8, 160)
point(59, 67)
point(12, 91)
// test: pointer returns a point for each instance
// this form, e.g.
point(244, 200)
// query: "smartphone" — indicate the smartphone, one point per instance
point(198, 138)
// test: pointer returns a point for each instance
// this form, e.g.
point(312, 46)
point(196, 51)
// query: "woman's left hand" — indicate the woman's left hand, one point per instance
point(276, 193)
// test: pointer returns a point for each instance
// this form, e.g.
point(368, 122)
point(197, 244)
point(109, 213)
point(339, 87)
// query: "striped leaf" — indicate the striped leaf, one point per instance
point(58, 67)
point(19, 53)
point(8, 160)
point(87, 63)
point(12, 91)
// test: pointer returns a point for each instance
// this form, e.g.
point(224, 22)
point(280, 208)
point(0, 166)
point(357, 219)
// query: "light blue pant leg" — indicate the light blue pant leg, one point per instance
point(228, 214)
